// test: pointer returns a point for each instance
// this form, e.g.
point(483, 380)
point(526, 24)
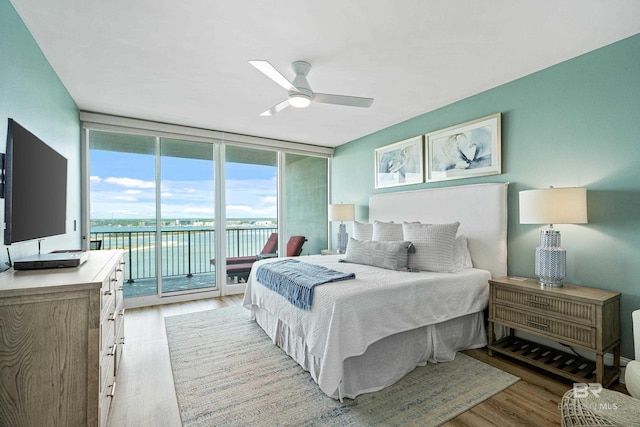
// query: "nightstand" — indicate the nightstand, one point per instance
point(576, 316)
point(329, 252)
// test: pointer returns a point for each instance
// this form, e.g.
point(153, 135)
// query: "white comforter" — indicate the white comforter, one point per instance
point(346, 317)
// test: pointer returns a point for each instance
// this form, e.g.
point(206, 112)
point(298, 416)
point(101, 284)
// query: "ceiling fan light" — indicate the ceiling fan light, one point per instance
point(299, 101)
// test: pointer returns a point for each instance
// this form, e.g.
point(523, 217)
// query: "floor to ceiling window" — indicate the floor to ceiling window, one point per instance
point(178, 205)
point(187, 216)
point(251, 195)
point(122, 171)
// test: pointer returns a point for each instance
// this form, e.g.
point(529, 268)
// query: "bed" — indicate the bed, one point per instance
point(365, 334)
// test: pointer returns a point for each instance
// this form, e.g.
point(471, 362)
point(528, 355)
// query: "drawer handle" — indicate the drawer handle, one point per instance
point(113, 279)
point(112, 316)
point(113, 390)
point(113, 350)
point(121, 313)
point(122, 341)
point(119, 270)
point(542, 325)
point(532, 301)
point(109, 292)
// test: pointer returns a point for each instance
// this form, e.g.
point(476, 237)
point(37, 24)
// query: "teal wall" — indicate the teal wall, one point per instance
point(573, 124)
point(32, 94)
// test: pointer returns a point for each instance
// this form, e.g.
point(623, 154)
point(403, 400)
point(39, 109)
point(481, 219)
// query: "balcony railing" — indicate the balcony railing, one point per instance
point(185, 251)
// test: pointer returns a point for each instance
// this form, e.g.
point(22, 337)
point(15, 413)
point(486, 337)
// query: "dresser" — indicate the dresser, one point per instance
point(61, 340)
point(580, 318)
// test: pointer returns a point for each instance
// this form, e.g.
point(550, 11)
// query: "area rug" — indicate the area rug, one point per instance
point(228, 372)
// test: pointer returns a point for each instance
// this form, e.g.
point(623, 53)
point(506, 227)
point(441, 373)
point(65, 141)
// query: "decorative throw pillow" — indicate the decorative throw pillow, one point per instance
point(362, 231)
point(461, 254)
point(392, 255)
point(386, 231)
point(434, 246)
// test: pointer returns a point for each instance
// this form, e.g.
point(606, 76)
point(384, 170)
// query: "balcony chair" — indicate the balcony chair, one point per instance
point(607, 407)
point(270, 247)
point(294, 245)
point(240, 267)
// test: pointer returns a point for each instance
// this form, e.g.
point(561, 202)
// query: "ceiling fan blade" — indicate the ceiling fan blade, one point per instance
point(276, 108)
point(351, 101)
point(269, 70)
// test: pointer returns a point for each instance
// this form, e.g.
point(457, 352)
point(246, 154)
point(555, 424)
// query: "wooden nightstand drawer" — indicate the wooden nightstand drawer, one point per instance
point(546, 305)
point(570, 333)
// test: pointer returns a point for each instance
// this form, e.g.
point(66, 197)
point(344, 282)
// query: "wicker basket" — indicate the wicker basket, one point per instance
point(608, 408)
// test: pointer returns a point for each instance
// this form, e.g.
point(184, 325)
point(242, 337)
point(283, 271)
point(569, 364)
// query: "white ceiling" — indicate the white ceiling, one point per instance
point(185, 62)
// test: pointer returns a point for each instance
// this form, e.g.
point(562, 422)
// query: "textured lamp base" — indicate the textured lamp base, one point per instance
point(551, 259)
point(343, 238)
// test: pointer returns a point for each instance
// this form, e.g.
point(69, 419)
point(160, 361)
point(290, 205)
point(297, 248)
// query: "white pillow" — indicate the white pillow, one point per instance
point(386, 231)
point(434, 246)
point(392, 255)
point(362, 231)
point(461, 254)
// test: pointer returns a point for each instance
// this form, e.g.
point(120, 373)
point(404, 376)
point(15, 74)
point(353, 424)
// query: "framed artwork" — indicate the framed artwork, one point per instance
point(463, 151)
point(399, 163)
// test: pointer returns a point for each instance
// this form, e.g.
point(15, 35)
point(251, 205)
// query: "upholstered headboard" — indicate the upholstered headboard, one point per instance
point(481, 210)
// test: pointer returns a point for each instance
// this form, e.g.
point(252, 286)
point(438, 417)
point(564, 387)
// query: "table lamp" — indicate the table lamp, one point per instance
point(552, 206)
point(342, 212)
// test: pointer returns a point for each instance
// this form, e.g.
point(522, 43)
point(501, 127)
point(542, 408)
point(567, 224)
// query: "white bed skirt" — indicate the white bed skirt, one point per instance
point(388, 360)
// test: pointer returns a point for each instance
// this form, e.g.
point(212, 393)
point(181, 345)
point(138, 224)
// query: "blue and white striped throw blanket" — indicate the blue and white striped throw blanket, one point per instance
point(295, 280)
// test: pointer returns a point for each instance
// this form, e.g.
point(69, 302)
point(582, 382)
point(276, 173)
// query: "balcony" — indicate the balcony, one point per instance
point(186, 255)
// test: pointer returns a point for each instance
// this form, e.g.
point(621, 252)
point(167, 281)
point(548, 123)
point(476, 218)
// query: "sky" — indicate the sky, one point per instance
point(123, 187)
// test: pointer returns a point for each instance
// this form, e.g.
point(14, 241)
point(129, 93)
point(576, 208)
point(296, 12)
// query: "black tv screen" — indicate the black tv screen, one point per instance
point(35, 194)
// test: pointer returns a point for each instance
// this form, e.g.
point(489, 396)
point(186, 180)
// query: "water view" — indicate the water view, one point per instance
point(187, 245)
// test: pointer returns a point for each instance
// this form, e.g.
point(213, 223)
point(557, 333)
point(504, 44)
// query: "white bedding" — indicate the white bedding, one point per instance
point(388, 302)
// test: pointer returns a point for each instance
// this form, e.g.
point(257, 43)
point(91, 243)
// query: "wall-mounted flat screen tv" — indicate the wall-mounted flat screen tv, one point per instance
point(35, 191)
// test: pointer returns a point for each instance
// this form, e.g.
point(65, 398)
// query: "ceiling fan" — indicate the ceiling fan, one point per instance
point(300, 93)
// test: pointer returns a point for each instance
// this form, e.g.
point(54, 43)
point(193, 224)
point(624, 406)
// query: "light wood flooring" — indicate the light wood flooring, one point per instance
point(145, 393)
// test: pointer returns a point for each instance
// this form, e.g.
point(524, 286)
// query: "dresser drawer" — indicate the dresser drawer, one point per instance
point(107, 292)
point(107, 333)
point(552, 305)
point(107, 370)
point(119, 274)
point(573, 333)
point(107, 389)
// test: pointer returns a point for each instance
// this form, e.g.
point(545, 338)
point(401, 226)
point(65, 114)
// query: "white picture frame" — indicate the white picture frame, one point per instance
point(400, 163)
point(466, 150)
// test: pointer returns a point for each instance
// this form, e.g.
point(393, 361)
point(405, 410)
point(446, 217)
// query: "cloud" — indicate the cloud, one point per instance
point(240, 208)
point(246, 198)
point(270, 200)
point(95, 179)
point(245, 211)
point(199, 210)
point(130, 182)
point(125, 198)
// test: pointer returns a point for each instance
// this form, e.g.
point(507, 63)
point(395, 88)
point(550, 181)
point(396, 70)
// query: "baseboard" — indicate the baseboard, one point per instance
point(150, 300)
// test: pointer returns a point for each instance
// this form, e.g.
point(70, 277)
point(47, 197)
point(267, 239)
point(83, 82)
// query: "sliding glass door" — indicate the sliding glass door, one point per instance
point(122, 182)
point(187, 216)
point(192, 213)
point(251, 191)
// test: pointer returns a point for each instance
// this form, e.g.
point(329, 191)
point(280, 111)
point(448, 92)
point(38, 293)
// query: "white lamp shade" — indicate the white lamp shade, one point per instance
point(554, 206)
point(342, 212)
